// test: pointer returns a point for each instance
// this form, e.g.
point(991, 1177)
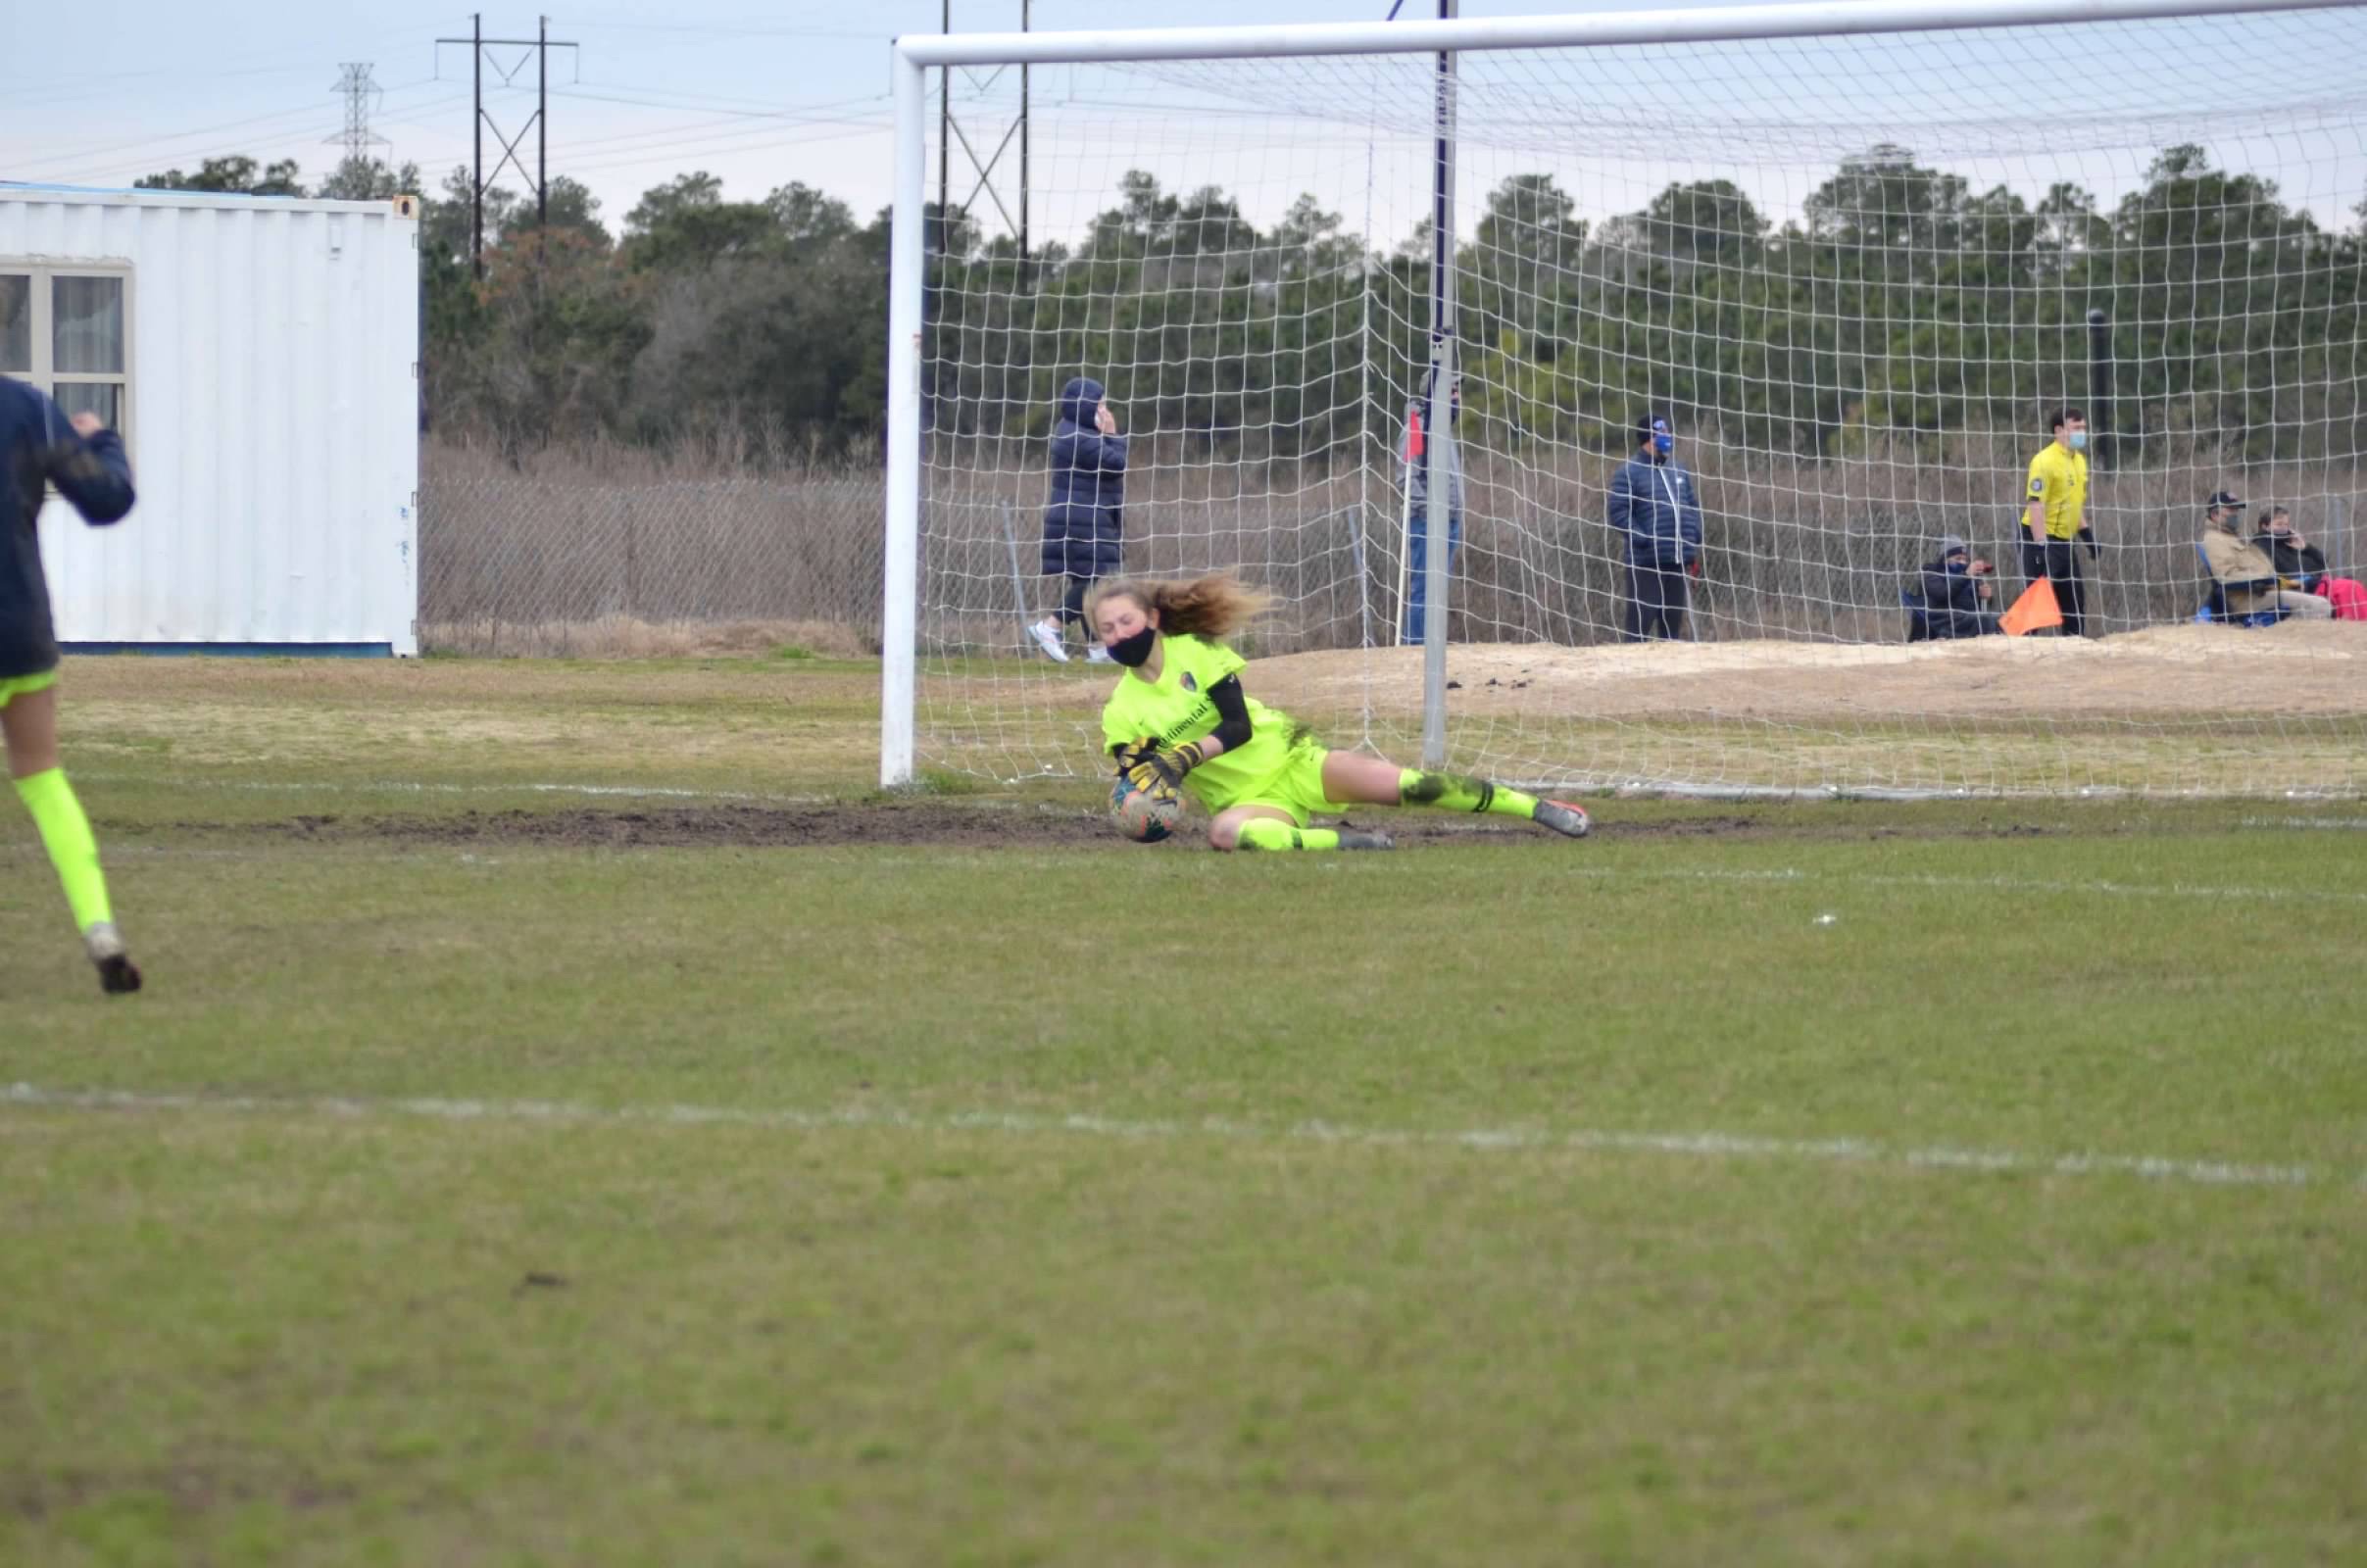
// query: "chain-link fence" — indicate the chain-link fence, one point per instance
point(623, 551)
point(619, 552)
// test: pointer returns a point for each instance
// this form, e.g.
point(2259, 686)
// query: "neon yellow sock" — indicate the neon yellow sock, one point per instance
point(1450, 792)
point(1265, 833)
point(66, 833)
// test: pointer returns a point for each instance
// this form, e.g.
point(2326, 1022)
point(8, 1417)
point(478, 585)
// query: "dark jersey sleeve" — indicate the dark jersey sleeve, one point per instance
point(1232, 712)
point(94, 474)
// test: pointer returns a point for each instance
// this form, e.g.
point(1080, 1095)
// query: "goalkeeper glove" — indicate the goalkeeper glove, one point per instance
point(1128, 753)
point(1163, 772)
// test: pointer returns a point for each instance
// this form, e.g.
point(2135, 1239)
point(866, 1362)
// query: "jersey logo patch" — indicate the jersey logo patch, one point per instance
point(1189, 684)
point(2038, 487)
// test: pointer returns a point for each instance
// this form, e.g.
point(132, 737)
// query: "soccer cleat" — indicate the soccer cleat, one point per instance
point(1047, 634)
point(1357, 839)
point(117, 975)
point(1563, 818)
point(1096, 654)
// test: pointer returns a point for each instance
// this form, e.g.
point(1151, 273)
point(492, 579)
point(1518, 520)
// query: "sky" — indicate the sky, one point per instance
point(761, 94)
point(758, 93)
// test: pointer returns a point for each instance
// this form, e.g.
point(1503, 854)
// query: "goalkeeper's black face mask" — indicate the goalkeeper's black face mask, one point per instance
point(1134, 652)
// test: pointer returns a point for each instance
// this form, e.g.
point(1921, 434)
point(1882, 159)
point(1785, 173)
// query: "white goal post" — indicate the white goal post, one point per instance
point(1856, 308)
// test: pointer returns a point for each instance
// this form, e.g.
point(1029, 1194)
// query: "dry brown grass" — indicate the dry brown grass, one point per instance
point(612, 551)
point(630, 637)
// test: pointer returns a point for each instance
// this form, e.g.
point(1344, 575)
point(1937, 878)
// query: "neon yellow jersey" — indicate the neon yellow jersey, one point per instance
point(1176, 708)
point(2058, 483)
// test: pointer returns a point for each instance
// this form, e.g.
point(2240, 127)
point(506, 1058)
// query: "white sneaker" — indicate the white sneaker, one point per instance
point(1047, 634)
point(117, 972)
point(1096, 654)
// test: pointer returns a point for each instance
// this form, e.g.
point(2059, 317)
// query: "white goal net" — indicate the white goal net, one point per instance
point(1855, 273)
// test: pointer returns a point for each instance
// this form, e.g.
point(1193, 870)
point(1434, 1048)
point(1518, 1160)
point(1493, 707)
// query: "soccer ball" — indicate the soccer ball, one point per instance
point(1141, 815)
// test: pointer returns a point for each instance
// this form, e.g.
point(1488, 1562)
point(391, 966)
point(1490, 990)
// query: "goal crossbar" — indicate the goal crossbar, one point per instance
point(1708, 25)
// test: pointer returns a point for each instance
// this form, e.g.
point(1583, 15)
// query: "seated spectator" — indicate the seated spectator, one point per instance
point(2246, 577)
point(1956, 594)
point(2301, 565)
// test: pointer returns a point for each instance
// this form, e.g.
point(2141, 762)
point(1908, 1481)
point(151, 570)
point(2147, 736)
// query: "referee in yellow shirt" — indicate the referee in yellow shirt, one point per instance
point(2055, 521)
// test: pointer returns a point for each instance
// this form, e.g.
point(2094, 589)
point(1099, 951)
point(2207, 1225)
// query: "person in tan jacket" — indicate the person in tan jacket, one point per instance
point(2245, 574)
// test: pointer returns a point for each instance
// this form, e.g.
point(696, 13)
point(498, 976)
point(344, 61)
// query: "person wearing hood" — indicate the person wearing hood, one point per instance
point(2301, 565)
point(1956, 593)
point(1082, 530)
point(2246, 575)
point(1419, 456)
point(1656, 506)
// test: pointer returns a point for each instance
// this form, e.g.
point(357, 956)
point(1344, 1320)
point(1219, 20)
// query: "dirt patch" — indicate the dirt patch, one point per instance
point(724, 827)
point(977, 827)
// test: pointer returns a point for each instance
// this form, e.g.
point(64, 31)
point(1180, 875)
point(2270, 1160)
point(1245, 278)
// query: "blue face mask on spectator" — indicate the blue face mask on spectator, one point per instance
point(2077, 440)
point(1663, 441)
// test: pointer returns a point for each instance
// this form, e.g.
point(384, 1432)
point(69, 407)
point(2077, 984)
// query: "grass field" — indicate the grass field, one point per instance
point(572, 1120)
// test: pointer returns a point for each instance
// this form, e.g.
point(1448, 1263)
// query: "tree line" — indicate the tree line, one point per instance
point(1900, 305)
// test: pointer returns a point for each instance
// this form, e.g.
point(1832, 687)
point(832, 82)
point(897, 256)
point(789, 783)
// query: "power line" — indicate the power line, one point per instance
point(88, 162)
point(665, 153)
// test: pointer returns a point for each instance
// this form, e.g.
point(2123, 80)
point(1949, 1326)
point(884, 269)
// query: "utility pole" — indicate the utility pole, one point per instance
point(537, 49)
point(952, 136)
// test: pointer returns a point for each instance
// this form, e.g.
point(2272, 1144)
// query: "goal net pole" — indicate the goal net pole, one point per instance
point(908, 265)
point(1437, 449)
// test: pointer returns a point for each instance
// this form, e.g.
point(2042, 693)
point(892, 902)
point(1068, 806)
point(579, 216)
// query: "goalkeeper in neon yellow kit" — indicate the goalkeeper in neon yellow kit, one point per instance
point(1180, 720)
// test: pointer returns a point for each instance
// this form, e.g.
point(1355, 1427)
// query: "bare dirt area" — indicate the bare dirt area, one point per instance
point(2296, 670)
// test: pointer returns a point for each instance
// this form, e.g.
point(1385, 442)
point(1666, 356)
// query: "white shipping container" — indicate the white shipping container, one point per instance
point(260, 356)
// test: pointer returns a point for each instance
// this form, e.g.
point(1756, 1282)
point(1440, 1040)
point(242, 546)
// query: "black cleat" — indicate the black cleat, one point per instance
point(117, 975)
point(1568, 819)
point(1357, 839)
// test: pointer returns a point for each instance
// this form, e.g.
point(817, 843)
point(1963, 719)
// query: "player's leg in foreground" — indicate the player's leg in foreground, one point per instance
point(1270, 828)
point(30, 721)
point(1371, 781)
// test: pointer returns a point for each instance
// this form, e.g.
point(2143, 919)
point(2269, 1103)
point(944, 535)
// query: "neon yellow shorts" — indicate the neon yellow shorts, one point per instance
point(16, 686)
point(1296, 787)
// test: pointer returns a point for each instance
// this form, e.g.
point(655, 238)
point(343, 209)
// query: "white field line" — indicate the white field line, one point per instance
point(1696, 1146)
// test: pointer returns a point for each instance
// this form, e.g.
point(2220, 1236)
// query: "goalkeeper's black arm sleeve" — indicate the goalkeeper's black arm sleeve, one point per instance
point(1232, 712)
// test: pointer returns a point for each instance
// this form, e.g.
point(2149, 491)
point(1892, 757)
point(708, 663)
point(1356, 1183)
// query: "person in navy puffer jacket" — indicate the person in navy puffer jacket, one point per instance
point(41, 446)
point(1082, 538)
point(1656, 505)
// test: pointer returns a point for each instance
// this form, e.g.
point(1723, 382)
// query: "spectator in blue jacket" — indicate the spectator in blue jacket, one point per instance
point(1656, 506)
point(1082, 540)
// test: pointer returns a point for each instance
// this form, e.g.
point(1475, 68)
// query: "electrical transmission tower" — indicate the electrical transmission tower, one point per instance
point(362, 95)
point(537, 49)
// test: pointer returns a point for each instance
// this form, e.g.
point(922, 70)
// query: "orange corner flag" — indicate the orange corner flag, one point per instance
point(2036, 609)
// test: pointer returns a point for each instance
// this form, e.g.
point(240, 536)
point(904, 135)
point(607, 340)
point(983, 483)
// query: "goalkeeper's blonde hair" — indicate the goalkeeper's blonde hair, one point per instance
point(1215, 606)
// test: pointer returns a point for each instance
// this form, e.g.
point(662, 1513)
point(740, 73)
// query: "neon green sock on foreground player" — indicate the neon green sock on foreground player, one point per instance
point(66, 834)
point(1266, 833)
point(1450, 792)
